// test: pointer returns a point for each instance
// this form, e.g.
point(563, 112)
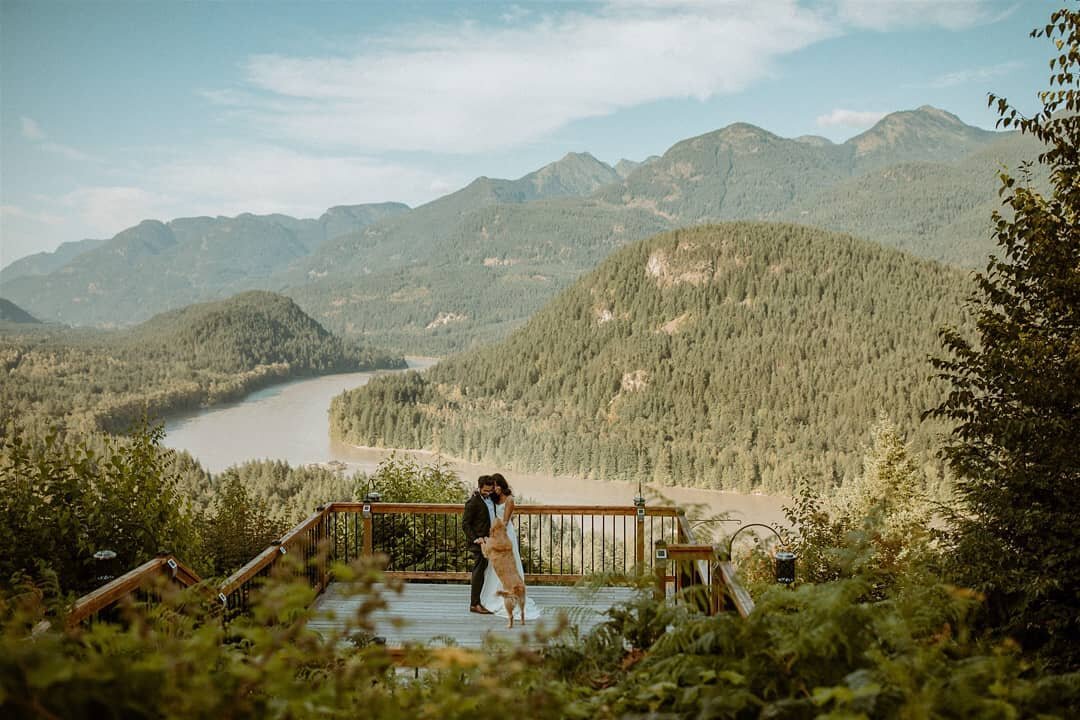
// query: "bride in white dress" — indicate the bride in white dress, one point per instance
point(489, 597)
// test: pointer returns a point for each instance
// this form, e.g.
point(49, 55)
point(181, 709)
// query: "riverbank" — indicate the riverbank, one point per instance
point(288, 422)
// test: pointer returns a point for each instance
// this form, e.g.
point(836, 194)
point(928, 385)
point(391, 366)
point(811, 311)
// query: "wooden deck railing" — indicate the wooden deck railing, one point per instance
point(698, 575)
point(424, 541)
point(143, 578)
point(559, 544)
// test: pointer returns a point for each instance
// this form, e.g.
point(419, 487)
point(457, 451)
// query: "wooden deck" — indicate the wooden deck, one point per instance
point(438, 614)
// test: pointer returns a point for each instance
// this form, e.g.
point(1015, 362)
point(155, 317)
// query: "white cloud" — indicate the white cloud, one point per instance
point(849, 118)
point(972, 75)
point(31, 130)
point(468, 88)
point(898, 14)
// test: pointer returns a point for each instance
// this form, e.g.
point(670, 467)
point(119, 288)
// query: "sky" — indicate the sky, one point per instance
point(115, 112)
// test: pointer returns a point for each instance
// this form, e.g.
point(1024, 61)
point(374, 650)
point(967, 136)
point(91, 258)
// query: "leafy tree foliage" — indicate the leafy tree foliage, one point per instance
point(1016, 392)
point(877, 525)
point(403, 480)
point(238, 526)
point(61, 501)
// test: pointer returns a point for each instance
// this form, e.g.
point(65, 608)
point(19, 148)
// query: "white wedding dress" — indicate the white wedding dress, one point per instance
point(489, 596)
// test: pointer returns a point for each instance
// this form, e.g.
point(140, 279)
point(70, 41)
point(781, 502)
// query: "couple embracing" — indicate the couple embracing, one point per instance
point(488, 522)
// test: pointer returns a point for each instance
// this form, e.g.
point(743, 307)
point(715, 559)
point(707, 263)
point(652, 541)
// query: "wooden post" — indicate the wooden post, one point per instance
point(369, 533)
point(639, 550)
point(660, 564)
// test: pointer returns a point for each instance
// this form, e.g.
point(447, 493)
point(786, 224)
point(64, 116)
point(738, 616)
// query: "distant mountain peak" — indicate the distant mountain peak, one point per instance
point(938, 113)
point(926, 133)
point(624, 167)
point(814, 140)
point(738, 136)
point(576, 173)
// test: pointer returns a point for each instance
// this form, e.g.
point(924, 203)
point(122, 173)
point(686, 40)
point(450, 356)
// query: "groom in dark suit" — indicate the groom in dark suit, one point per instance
point(476, 522)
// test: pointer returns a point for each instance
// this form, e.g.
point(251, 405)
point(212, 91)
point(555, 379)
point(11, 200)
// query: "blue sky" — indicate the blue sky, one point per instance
point(113, 112)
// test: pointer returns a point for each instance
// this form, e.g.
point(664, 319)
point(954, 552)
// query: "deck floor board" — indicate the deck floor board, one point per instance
point(438, 614)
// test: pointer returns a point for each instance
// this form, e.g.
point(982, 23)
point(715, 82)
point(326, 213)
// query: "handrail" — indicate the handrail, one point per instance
point(104, 596)
point(357, 534)
point(326, 535)
point(740, 598)
point(455, 508)
point(265, 558)
point(717, 575)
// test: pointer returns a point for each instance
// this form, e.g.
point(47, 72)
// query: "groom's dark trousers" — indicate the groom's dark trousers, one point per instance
point(476, 522)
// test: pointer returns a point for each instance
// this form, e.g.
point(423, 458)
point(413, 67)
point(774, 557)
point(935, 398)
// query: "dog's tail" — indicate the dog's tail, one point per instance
point(503, 593)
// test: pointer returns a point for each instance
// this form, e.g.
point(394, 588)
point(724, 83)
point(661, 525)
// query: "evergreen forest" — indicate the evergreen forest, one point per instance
point(89, 380)
point(742, 356)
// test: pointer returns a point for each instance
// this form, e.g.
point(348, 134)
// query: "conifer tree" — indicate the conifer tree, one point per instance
point(1015, 394)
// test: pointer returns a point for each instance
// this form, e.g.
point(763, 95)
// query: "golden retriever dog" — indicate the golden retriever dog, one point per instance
point(499, 551)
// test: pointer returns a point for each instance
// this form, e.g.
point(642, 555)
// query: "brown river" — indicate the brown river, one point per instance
point(289, 422)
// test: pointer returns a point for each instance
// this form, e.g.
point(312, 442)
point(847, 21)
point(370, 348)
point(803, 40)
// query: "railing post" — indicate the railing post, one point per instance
point(369, 532)
point(716, 591)
point(639, 550)
point(660, 563)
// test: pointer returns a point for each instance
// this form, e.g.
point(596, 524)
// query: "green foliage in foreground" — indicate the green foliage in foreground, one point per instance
point(819, 650)
point(65, 496)
point(61, 501)
point(1015, 397)
point(199, 355)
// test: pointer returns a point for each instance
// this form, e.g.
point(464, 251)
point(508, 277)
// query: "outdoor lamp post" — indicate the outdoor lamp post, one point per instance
point(785, 567)
point(783, 559)
point(105, 565)
point(372, 495)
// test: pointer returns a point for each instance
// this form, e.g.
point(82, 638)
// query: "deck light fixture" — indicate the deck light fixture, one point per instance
point(783, 559)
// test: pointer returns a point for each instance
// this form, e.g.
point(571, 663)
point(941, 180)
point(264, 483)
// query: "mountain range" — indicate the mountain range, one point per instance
point(470, 266)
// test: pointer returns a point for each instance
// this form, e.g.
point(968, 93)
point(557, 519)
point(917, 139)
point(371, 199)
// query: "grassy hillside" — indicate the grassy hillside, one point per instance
point(737, 356)
point(204, 354)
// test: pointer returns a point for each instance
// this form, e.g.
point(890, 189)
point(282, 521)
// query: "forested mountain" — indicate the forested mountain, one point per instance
point(200, 355)
point(411, 238)
point(439, 291)
point(492, 269)
point(469, 267)
point(927, 133)
point(12, 313)
point(156, 266)
point(931, 209)
point(43, 263)
point(738, 356)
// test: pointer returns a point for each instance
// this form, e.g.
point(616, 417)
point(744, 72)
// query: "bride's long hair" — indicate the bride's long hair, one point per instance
point(504, 487)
